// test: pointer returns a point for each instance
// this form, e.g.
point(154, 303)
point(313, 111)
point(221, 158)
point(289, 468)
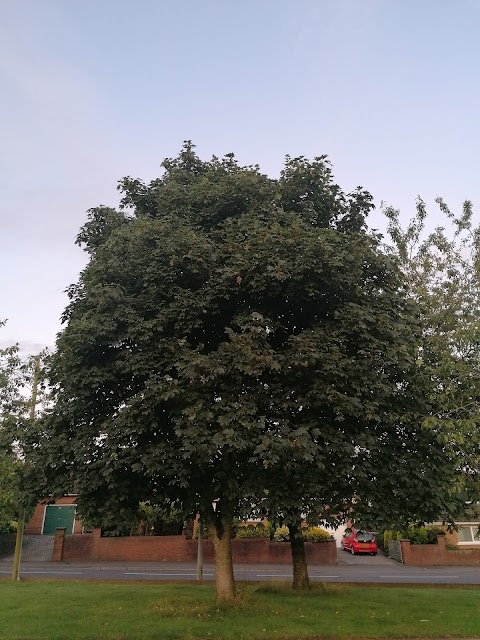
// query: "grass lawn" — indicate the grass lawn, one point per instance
point(54, 610)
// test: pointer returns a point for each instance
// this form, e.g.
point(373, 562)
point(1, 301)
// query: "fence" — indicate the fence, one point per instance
point(34, 548)
point(7, 545)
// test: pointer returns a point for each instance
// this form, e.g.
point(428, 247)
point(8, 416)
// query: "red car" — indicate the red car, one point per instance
point(359, 542)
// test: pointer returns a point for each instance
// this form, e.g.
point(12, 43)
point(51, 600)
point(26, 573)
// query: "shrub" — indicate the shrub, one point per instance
point(417, 535)
point(252, 531)
point(387, 537)
point(423, 535)
point(8, 527)
point(282, 534)
point(316, 534)
point(433, 532)
point(310, 534)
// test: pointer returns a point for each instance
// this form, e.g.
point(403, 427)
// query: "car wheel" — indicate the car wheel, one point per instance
point(352, 550)
point(374, 553)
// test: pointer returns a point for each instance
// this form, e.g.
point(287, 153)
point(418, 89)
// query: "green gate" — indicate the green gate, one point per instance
point(58, 516)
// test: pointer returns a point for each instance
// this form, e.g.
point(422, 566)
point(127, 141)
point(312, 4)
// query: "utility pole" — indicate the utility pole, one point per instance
point(200, 549)
point(21, 515)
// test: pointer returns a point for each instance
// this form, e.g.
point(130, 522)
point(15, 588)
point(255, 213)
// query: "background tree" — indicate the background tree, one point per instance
point(12, 403)
point(441, 266)
point(19, 438)
point(11, 413)
point(227, 329)
point(9, 493)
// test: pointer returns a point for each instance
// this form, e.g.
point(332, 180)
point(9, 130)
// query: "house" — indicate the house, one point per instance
point(51, 514)
point(467, 531)
point(467, 535)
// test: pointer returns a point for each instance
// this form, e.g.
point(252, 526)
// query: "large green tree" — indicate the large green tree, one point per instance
point(441, 265)
point(234, 341)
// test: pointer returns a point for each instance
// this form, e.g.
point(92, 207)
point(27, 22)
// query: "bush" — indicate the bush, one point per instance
point(316, 534)
point(387, 536)
point(310, 534)
point(252, 531)
point(416, 535)
point(282, 534)
point(433, 532)
point(421, 535)
point(8, 527)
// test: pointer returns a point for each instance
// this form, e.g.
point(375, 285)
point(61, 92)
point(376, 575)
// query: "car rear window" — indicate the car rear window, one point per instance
point(364, 536)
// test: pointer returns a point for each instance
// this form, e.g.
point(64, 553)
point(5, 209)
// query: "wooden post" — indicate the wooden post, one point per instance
point(18, 546)
point(200, 549)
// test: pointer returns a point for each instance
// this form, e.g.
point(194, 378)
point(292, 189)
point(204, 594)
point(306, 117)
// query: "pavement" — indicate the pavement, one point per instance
point(375, 571)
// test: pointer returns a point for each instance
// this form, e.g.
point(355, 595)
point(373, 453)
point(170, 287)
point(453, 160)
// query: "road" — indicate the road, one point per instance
point(384, 573)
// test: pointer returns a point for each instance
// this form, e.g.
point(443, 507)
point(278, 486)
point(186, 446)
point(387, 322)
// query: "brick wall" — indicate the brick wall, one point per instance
point(34, 525)
point(429, 555)
point(94, 548)
point(78, 548)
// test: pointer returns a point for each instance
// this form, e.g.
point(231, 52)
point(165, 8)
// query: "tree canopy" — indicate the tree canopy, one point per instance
point(234, 341)
point(441, 264)
point(14, 376)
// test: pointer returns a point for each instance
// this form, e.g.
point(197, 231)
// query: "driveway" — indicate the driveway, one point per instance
point(345, 557)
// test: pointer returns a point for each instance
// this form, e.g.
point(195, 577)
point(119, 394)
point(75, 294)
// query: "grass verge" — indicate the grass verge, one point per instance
point(54, 610)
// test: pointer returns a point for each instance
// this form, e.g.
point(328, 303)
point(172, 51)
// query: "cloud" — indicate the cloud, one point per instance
point(26, 346)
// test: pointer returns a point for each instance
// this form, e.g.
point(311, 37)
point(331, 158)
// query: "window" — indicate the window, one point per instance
point(469, 534)
point(364, 536)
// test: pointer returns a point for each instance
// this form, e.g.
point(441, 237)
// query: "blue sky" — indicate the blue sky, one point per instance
point(95, 90)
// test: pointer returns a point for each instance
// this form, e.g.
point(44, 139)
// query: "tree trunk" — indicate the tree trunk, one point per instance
point(220, 532)
point(299, 560)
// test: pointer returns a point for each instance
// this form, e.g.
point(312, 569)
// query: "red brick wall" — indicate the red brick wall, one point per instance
point(136, 548)
point(57, 555)
point(78, 548)
point(93, 548)
point(429, 555)
point(34, 525)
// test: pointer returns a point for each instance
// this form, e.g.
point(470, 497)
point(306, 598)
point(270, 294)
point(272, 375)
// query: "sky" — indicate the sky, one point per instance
point(92, 91)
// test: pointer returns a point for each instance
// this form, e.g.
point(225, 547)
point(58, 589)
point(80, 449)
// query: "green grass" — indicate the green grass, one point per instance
point(54, 610)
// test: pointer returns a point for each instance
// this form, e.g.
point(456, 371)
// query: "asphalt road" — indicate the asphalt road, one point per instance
point(381, 573)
